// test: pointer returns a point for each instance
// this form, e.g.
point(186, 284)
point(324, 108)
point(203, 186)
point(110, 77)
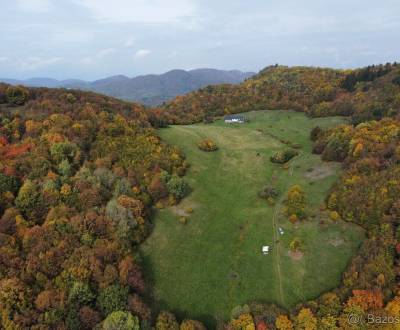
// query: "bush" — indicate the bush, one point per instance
point(296, 202)
point(268, 191)
point(334, 215)
point(282, 157)
point(295, 245)
point(207, 145)
point(178, 187)
point(315, 132)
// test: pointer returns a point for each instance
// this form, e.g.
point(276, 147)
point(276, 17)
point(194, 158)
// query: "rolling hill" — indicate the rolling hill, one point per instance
point(366, 93)
point(104, 216)
point(150, 90)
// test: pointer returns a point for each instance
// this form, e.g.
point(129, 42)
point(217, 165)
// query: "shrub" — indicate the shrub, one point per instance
point(207, 145)
point(189, 210)
point(334, 216)
point(268, 191)
point(293, 218)
point(178, 187)
point(282, 157)
point(295, 245)
point(296, 202)
point(315, 132)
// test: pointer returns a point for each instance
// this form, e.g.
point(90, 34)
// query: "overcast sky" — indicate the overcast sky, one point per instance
point(91, 39)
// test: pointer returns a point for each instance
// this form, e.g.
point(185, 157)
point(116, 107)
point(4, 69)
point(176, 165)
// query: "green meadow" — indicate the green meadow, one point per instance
point(207, 267)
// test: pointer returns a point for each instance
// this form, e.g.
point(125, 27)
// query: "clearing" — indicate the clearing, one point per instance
point(214, 263)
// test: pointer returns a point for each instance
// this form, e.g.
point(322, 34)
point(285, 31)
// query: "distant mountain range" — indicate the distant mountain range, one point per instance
point(150, 90)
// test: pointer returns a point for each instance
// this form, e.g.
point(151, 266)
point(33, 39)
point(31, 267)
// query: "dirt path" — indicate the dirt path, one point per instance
point(276, 239)
point(277, 251)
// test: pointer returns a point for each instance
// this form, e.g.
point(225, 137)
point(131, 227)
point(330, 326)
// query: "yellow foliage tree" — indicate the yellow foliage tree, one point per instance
point(393, 307)
point(296, 202)
point(243, 322)
point(283, 323)
point(305, 320)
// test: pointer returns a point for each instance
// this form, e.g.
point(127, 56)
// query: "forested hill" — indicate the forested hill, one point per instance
point(41, 102)
point(79, 173)
point(368, 93)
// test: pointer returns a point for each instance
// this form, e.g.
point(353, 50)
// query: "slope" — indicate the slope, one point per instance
point(214, 263)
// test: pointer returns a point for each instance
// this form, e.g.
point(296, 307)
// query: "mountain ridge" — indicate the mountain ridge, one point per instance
point(150, 89)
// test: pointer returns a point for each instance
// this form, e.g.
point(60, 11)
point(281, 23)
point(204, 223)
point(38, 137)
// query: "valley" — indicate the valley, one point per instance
point(212, 264)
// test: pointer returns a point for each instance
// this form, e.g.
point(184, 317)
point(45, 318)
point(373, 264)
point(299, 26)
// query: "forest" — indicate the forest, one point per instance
point(80, 172)
point(364, 94)
point(78, 176)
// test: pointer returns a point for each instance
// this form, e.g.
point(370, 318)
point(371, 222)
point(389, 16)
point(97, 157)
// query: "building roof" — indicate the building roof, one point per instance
point(237, 117)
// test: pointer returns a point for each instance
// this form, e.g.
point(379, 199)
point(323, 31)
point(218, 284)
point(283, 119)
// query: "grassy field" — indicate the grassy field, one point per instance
point(214, 263)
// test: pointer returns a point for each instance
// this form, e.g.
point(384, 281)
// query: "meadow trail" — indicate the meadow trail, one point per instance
point(277, 252)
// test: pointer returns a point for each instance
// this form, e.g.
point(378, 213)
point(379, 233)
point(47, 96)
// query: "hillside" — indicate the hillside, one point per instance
point(150, 90)
point(367, 93)
point(75, 201)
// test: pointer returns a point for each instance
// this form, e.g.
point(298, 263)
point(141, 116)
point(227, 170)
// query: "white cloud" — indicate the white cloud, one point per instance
point(34, 5)
point(141, 53)
point(140, 11)
point(34, 63)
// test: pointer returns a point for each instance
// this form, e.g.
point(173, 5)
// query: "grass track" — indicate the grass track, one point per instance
point(214, 263)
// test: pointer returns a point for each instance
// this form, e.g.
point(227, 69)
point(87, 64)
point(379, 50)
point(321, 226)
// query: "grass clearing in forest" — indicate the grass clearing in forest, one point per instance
point(210, 265)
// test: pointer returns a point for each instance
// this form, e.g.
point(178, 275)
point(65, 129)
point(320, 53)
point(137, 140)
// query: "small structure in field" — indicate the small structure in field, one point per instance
point(265, 249)
point(235, 119)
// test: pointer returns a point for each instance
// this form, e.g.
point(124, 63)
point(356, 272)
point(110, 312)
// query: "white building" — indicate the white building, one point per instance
point(235, 119)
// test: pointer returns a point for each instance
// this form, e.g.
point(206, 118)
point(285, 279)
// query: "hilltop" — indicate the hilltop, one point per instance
point(366, 93)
